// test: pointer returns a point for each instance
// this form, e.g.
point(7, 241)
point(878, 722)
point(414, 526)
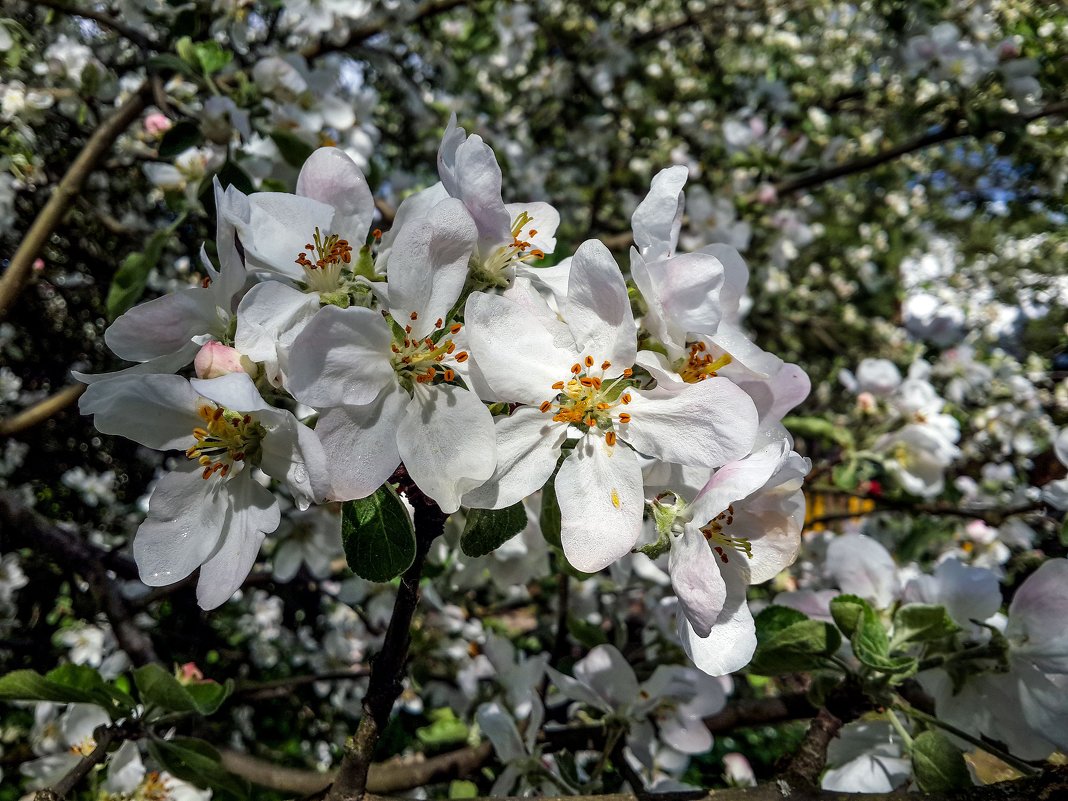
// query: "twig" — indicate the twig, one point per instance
point(104, 737)
point(281, 687)
point(124, 30)
point(955, 129)
point(387, 669)
point(41, 411)
point(811, 756)
point(19, 269)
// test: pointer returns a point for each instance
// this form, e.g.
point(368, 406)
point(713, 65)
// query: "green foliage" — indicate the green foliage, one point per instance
point(938, 765)
point(871, 645)
point(488, 529)
point(788, 642)
point(67, 684)
point(181, 136)
point(922, 623)
point(129, 281)
point(198, 763)
point(294, 150)
point(445, 729)
point(161, 689)
point(378, 535)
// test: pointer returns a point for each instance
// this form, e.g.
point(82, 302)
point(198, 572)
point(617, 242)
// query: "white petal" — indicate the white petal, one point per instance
point(707, 424)
point(235, 391)
point(360, 443)
point(696, 580)
point(411, 208)
point(331, 177)
point(1037, 615)
point(519, 359)
point(186, 516)
point(599, 489)
point(863, 567)
point(528, 447)
point(269, 319)
point(728, 647)
point(657, 219)
point(598, 309)
point(610, 675)
point(341, 358)
point(293, 454)
point(501, 730)
point(164, 325)
point(545, 219)
point(253, 513)
point(737, 480)
point(446, 441)
point(479, 178)
point(158, 411)
point(280, 225)
point(428, 266)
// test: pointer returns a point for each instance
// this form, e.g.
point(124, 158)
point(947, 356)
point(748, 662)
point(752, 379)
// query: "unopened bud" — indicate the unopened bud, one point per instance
point(157, 124)
point(216, 359)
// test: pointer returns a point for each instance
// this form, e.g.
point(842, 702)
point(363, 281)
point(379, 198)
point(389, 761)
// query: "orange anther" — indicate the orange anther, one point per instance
point(546, 406)
point(610, 438)
point(589, 361)
point(455, 328)
point(624, 417)
point(461, 356)
point(576, 368)
point(627, 373)
point(558, 385)
point(625, 397)
point(414, 315)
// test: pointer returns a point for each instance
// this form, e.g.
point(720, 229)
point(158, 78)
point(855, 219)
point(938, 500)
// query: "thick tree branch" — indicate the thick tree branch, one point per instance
point(41, 411)
point(18, 270)
point(388, 667)
point(121, 28)
point(954, 129)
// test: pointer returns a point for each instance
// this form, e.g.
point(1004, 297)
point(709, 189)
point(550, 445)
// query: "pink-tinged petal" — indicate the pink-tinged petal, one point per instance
point(598, 309)
point(165, 325)
point(235, 391)
point(697, 581)
point(280, 225)
point(157, 411)
point(333, 178)
point(428, 266)
point(360, 443)
point(599, 489)
point(1037, 615)
point(341, 358)
point(446, 442)
point(737, 480)
point(269, 319)
point(186, 517)
point(658, 218)
point(294, 455)
point(528, 447)
point(545, 219)
point(518, 357)
point(706, 424)
point(253, 514)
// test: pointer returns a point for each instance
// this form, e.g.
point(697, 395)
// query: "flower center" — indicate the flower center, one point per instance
point(720, 541)
point(700, 364)
point(423, 360)
point(226, 437)
point(519, 250)
point(330, 256)
point(586, 400)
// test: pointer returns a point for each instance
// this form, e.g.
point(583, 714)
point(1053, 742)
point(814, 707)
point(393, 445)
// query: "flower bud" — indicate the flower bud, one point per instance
point(157, 124)
point(216, 359)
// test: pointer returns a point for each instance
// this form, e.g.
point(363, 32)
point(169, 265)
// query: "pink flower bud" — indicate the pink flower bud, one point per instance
point(866, 402)
point(157, 124)
point(766, 194)
point(188, 673)
point(216, 359)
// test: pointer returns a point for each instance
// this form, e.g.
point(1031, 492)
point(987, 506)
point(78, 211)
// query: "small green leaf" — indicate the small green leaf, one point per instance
point(178, 138)
point(378, 535)
point(848, 611)
point(550, 515)
point(294, 150)
point(584, 632)
point(922, 623)
point(161, 689)
point(789, 642)
point(818, 428)
point(129, 281)
point(212, 56)
point(461, 788)
point(196, 762)
point(938, 765)
point(872, 646)
point(488, 529)
point(229, 174)
point(444, 729)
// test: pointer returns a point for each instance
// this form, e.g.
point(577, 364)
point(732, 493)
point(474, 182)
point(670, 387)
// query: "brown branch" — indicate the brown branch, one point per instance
point(954, 129)
point(259, 691)
point(428, 10)
point(18, 270)
point(121, 28)
point(990, 516)
point(388, 667)
point(41, 411)
point(810, 758)
point(104, 737)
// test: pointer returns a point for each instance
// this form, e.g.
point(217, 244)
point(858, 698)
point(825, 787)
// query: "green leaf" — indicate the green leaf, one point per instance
point(378, 535)
point(67, 684)
point(129, 281)
point(922, 623)
point(488, 529)
point(550, 515)
point(229, 174)
point(938, 765)
point(196, 762)
point(212, 56)
point(294, 150)
point(168, 62)
point(585, 633)
point(788, 642)
point(818, 428)
point(871, 646)
point(461, 788)
point(848, 611)
point(444, 729)
point(162, 689)
point(178, 138)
